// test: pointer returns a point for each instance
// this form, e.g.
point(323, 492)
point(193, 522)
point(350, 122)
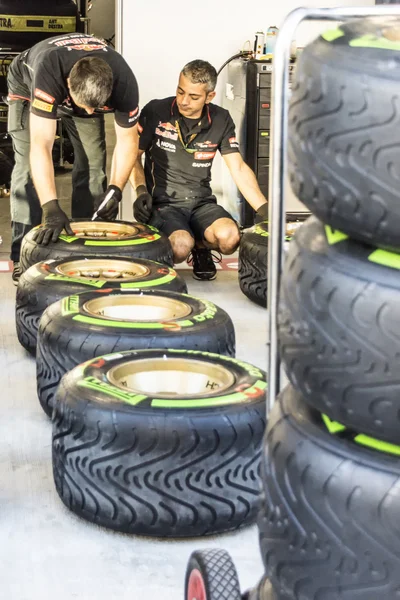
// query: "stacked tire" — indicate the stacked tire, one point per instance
point(126, 355)
point(331, 463)
point(253, 256)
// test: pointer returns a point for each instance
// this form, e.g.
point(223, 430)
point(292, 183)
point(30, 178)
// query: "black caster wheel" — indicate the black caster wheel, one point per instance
point(211, 575)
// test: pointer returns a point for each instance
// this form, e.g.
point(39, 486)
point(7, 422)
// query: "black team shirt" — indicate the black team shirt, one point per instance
point(40, 75)
point(180, 152)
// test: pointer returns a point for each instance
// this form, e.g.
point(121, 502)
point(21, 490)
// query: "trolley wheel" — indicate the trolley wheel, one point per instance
point(211, 575)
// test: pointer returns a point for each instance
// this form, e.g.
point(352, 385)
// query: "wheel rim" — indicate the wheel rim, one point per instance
point(106, 269)
point(103, 230)
point(196, 588)
point(171, 377)
point(134, 308)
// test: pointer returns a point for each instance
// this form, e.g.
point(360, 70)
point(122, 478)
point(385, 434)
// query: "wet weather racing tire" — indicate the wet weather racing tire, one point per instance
point(87, 325)
point(339, 328)
point(211, 575)
point(49, 281)
point(253, 257)
point(101, 238)
point(160, 443)
point(329, 510)
point(344, 130)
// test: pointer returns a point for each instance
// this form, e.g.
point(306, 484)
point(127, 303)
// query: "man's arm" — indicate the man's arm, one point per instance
point(137, 177)
point(42, 132)
point(143, 204)
point(125, 155)
point(245, 179)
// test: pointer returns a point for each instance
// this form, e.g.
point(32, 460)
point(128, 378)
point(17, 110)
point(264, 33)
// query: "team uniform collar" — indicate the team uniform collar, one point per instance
point(206, 119)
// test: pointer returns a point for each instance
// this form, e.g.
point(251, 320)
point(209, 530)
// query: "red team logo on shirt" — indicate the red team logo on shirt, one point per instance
point(44, 96)
point(204, 155)
point(87, 47)
point(167, 130)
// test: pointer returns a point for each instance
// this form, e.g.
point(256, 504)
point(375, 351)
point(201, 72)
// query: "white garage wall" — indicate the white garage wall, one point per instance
point(159, 37)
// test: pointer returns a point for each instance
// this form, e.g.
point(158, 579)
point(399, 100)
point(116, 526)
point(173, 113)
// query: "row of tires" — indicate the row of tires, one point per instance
point(157, 428)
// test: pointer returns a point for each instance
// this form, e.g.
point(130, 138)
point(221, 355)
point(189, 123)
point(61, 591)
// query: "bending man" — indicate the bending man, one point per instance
point(78, 78)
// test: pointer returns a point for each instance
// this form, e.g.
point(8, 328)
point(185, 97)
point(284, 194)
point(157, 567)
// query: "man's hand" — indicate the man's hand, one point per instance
point(262, 213)
point(112, 197)
point(54, 221)
point(143, 205)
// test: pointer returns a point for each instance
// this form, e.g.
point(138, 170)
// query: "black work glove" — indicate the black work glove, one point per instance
point(109, 212)
point(143, 205)
point(54, 221)
point(262, 213)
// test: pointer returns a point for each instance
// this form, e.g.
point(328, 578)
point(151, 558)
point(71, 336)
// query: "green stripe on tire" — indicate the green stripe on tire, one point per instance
point(363, 440)
point(93, 282)
point(144, 284)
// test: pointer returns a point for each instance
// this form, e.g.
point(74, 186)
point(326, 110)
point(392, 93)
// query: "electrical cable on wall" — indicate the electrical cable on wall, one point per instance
point(242, 54)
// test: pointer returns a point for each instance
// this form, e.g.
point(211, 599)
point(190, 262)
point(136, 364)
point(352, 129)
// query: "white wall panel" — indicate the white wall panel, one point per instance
point(159, 37)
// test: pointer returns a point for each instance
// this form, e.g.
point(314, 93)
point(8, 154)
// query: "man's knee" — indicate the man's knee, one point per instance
point(182, 243)
point(227, 237)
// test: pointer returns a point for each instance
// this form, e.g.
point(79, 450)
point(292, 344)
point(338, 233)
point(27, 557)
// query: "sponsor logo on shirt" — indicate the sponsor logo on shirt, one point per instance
point(204, 155)
point(44, 96)
point(206, 164)
point(40, 105)
point(87, 47)
point(81, 43)
point(233, 142)
point(134, 112)
point(206, 145)
point(166, 146)
point(167, 130)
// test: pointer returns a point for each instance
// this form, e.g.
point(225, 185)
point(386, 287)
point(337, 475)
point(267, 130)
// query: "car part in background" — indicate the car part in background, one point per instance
point(160, 442)
point(100, 238)
point(49, 281)
point(78, 328)
point(24, 23)
point(253, 257)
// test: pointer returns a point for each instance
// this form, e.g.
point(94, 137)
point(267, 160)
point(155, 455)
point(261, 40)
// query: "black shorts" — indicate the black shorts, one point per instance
point(193, 216)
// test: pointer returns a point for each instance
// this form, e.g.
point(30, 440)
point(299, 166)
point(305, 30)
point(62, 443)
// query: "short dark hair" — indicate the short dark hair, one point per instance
point(91, 81)
point(200, 71)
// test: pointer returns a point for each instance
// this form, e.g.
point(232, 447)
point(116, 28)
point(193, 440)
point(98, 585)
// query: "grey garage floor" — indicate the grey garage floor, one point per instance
point(46, 552)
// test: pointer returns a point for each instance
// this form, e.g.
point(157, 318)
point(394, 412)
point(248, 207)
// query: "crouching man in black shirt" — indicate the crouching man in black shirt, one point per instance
point(180, 137)
point(79, 78)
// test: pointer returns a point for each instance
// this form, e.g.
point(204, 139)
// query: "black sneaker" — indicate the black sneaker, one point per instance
point(16, 274)
point(203, 261)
